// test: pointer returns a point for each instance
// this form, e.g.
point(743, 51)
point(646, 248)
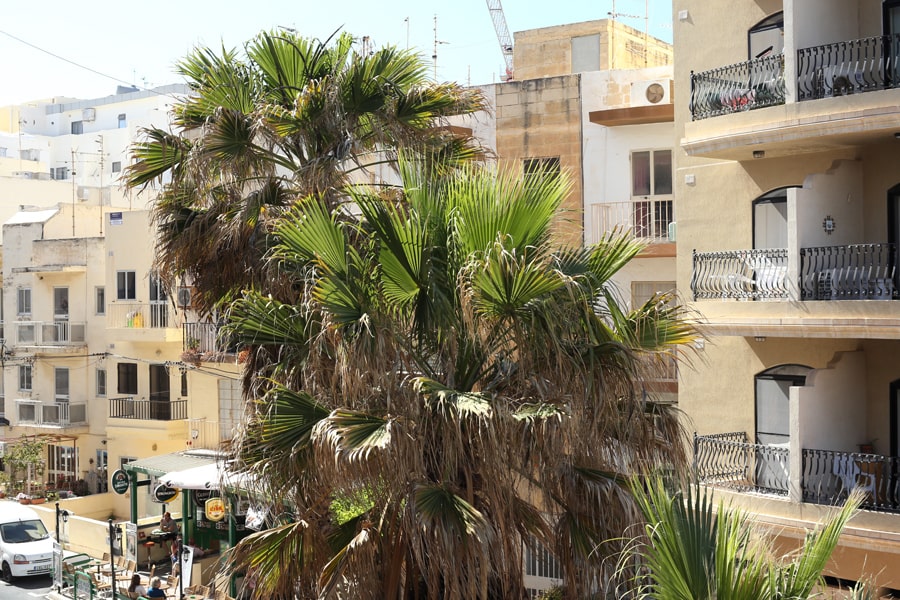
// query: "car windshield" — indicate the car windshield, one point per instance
point(23, 531)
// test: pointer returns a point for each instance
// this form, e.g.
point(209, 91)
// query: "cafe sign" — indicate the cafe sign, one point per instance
point(215, 509)
point(120, 481)
point(163, 494)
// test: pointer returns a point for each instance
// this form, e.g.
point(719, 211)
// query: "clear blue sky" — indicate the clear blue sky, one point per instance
point(139, 42)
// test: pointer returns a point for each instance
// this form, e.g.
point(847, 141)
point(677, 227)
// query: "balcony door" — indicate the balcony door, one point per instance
point(160, 409)
point(773, 427)
point(770, 221)
point(893, 233)
point(60, 330)
point(766, 37)
point(895, 417)
point(159, 313)
point(892, 28)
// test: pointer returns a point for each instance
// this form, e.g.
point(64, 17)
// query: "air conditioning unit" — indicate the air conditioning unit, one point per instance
point(88, 114)
point(184, 296)
point(84, 193)
point(651, 93)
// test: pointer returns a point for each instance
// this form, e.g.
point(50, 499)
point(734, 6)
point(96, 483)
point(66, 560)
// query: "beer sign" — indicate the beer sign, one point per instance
point(215, 509)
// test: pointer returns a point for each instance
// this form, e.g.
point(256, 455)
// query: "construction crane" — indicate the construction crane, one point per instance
point(506, 43)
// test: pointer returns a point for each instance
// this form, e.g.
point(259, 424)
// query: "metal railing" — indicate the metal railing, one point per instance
point(848, 67)
point(48, 333)
point(206, 338)
point(148, 410)
point(646, 219)
point(730, 460)
point(127, 315)
point(734, 88)
point(759, 274)
point(829, 476)
point(854, 272)
point(54, 414)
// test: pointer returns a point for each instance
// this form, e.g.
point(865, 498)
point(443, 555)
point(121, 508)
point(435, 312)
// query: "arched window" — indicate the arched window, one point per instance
point(767, 36)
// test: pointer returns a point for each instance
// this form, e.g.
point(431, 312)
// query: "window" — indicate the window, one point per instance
point(124, 460)
point(127, 378)
point(231, 407)
point(184, 385)
point(23, 301)
point(651, 191)
point(651, 173)
point(125, 285)
point(25, 373)
point(540, 167)
point(123, 122)
point(62, 464)
point(2, 152)
point(100, 296)
point(59, 173)
point(101, 382)
point(61, 377)
point(77, 127)
point(117, 166)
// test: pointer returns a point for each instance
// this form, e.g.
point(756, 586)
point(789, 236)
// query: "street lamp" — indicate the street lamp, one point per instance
point(60, 514)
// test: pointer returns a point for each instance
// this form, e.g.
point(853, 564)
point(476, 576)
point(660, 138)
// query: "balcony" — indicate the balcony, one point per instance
point(851, 272)
point(207, 339)
point(827, 105)
point(829, 476)
point(730, 461)
point(740, 274)
point(646, 219)
point(748, 85)
point(148, 410)
point(53, 414)
point(48, 333)
point(143, 321)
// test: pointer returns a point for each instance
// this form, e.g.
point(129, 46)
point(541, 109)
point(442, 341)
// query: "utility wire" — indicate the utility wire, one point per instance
point(80, 66)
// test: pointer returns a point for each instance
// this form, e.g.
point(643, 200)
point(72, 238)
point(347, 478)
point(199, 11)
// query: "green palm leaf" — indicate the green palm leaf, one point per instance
point(439, 508)
point(354, 434)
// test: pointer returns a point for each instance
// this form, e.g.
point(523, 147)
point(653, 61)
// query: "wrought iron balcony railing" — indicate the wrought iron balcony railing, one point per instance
point(48, 333)
point(127, 315)
point(730, 460)
point(848, 67)
point(759, 274)
point(147, 410)
point(742, 86)
point(647, 218)
point(854, 272)
point(829, 476)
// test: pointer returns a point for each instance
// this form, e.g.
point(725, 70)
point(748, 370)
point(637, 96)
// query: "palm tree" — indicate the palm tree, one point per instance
point(694, 550)
point(288, 118)
point(448, 385)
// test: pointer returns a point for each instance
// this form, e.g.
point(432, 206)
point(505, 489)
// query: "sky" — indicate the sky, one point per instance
point(138, 43)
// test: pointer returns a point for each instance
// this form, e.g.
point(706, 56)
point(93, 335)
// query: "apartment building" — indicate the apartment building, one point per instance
point(71, 150)
point(788, 224)
point(100, 359)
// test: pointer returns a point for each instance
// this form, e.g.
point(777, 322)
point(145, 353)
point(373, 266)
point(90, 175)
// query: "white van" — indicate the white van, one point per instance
point(26, 547)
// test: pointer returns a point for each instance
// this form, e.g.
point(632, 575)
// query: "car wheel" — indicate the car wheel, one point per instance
point(6, 573)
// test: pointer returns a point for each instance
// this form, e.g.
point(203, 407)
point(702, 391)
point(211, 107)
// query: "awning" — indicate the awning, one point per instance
point(161, 464)
point(212, 476)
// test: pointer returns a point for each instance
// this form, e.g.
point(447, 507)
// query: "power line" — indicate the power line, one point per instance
point(81, 66)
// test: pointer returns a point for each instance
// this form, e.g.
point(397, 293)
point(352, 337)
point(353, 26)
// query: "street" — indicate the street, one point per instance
point(25, 587)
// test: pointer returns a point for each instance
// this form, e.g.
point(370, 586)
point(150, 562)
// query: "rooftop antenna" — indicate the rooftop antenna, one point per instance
point(406, 20)
point(436, 42)
point(613, 15)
